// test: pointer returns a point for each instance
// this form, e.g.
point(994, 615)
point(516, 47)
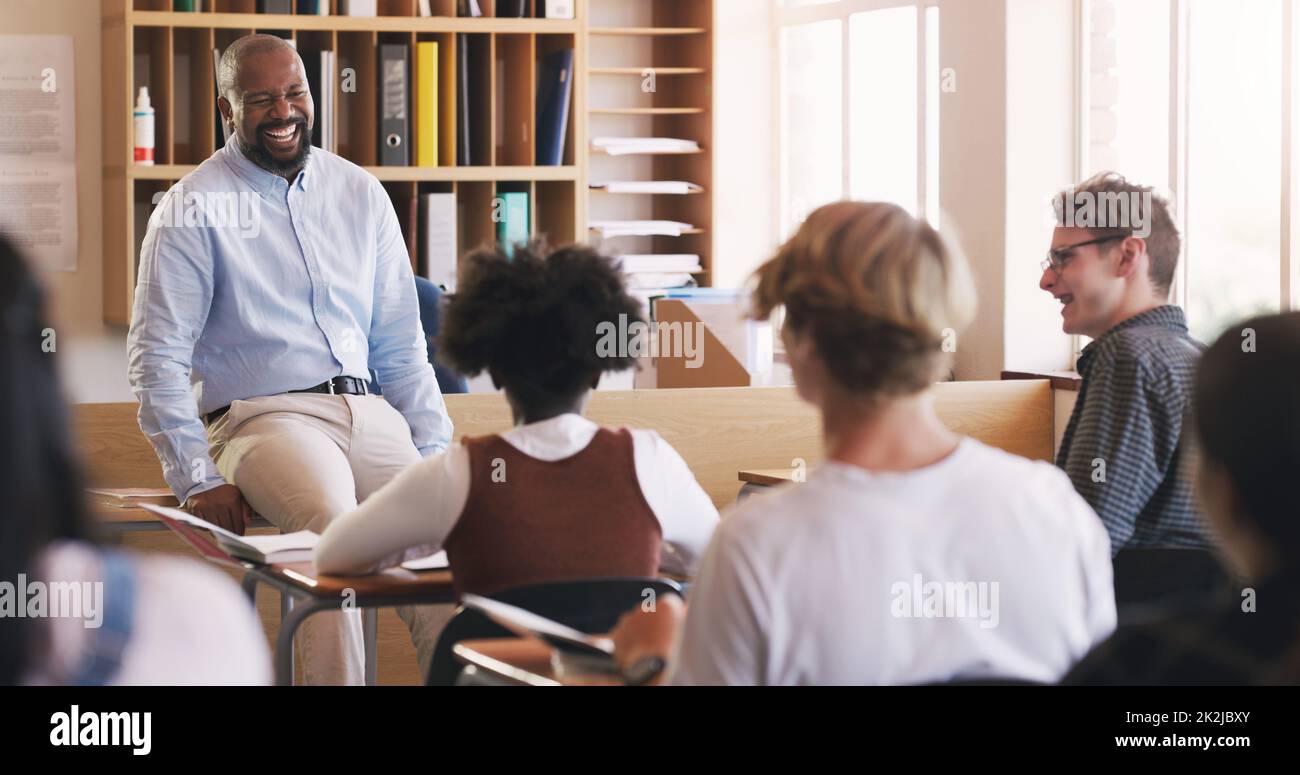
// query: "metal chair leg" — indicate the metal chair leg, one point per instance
point(370, 632)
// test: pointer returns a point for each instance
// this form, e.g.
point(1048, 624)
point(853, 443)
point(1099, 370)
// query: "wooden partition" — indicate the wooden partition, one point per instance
point(718, 431)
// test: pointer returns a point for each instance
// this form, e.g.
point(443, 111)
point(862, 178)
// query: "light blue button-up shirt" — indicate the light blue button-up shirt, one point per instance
point(249, 286)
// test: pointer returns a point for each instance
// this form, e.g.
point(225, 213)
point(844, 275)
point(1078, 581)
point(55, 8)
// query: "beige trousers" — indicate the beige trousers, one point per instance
point(302, 459)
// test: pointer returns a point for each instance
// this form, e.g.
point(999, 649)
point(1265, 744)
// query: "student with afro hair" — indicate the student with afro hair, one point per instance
point(556, 497)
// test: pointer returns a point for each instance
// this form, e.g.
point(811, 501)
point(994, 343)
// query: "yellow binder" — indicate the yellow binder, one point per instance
point(426, 103)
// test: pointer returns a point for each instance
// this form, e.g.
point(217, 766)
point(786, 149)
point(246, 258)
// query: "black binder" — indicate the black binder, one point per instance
point(554, 93)
point(394, 98)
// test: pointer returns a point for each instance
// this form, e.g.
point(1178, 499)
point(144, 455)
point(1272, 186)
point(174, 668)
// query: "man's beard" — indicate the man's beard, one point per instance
point(260, 155)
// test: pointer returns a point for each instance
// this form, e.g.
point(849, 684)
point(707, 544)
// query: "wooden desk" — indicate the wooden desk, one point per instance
point(129, 519)
point(767, 477)
point(757, 480)
point(305, 592)
point(312, 593)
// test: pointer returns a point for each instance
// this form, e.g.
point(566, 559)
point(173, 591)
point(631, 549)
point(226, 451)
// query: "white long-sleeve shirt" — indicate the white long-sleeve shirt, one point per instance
point(414, 513)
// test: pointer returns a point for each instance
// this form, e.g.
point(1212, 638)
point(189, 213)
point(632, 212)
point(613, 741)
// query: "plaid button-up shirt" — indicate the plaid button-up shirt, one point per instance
point(1124, 448)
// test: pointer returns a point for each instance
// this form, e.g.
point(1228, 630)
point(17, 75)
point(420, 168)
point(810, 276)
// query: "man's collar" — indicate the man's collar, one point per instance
point(1168, 316)
point(260, 180)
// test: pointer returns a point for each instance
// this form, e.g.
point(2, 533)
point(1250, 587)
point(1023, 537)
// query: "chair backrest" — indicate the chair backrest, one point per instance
point(592, 606)
point(1148, 581)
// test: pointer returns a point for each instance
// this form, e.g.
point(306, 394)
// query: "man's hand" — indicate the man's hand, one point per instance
point(224, 506)
point(640, 633)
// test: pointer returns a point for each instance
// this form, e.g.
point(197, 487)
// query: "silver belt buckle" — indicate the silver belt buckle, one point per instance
point(330, 382)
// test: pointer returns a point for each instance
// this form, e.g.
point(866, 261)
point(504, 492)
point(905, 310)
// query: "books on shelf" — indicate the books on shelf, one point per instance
point(222, 129)
point(394, 94)
point(425, 8)
point(265, 550)
point(314, 7)
point(662, 262)
point(438, 226)
point(468, 8)
point(426, 103)
point(320, 80)
point(275, 6)
point(555, 9)
point(640, 228)
point(665, 280)
point(554, 94)
point(647, 187)
point(513, 226)
point(359, 7)
point(512, 9)
point(623, 146)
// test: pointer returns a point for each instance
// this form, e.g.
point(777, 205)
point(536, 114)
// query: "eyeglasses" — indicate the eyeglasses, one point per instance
point(1057, 258)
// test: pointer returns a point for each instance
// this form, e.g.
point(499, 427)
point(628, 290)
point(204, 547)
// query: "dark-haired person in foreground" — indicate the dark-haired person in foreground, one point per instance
point(1247, 416)
point(1123, 446)
point(142, 626)
point(913, 554)
point(557, 497)
point(252, 343)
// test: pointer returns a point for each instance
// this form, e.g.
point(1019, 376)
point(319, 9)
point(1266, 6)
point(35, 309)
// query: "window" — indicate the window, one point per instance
point(1189, 96)
point(858, 104)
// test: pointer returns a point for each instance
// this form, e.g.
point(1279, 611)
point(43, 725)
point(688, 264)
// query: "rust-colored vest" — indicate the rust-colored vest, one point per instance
point(529, 521)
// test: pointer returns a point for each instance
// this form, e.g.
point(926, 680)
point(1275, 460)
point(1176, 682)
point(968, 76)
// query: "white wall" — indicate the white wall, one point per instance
point(92, 355)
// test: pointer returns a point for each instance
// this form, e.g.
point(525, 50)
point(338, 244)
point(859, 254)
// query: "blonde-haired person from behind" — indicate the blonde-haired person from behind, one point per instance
point(913, 554)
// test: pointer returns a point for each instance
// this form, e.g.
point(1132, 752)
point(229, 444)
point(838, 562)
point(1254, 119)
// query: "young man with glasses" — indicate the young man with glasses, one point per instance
point(1123, 447)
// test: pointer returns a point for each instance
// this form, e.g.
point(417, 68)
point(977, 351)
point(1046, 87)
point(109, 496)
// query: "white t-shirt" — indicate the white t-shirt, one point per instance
point(191, 625)
point(982, 565)
point(414, 513)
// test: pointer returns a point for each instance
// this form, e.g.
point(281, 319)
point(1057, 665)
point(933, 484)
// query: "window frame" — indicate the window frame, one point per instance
point(793, 16)
point(1178, 128)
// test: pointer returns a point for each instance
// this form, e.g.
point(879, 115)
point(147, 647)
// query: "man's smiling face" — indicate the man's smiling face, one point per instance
point(273, 111)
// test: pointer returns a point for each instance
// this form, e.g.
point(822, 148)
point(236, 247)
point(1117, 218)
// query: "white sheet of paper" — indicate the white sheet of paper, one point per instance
point(432, 562)
point(38, 148)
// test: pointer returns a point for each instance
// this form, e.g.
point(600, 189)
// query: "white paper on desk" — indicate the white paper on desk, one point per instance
point(38, 148)
point(432, 562)
point(266, 544)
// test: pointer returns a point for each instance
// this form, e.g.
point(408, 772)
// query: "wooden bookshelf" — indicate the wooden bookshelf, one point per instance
point(631, 45)
point(616, 44)
point(145, 43)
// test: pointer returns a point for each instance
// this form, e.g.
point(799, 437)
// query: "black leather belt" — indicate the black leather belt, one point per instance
point(338, 386)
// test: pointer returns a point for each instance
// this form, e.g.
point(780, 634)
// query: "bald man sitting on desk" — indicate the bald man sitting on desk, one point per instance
point(275, 319)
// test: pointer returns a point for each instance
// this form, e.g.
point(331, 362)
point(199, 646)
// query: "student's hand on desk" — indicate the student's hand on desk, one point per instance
point(223, 505)
point(640, 633)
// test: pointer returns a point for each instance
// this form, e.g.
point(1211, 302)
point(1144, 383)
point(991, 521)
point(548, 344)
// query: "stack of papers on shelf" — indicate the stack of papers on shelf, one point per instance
point(662, 280)
point(648, 187)
point(640, 228)
point(620, 146)
point(659, 262)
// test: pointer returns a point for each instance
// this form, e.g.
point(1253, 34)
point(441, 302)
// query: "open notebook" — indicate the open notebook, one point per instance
point(267, 549)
